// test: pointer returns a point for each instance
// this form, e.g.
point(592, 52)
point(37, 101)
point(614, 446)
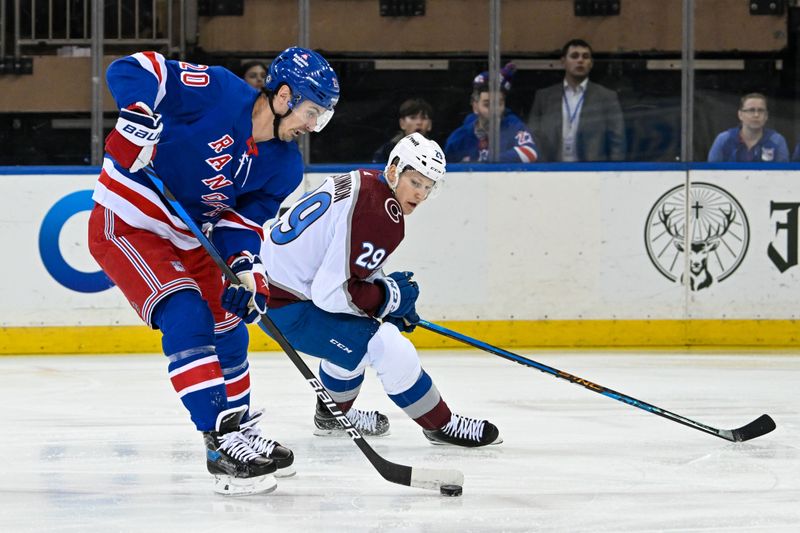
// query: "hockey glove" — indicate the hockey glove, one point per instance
point(401, 297)
point(132, 142)
point(406, 324)
point(247, 299)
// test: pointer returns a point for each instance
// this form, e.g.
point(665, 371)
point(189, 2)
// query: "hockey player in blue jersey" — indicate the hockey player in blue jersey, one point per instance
point(226, 152)
point(470, 142)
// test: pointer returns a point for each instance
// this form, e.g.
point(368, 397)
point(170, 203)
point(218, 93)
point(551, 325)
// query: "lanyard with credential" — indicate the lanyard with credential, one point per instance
point(570, 114)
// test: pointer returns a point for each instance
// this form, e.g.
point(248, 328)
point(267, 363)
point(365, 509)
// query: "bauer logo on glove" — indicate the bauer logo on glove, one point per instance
point(132, 142)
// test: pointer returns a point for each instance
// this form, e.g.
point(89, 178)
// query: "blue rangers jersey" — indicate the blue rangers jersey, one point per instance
point(516, 142)
point(206, 156)
point(729, 146)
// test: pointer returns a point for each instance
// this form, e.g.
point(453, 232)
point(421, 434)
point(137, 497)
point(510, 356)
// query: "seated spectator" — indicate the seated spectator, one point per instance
point(255, 74)
point(751, 141)
point(578, 120)
point(414, 116)
point(470, 142)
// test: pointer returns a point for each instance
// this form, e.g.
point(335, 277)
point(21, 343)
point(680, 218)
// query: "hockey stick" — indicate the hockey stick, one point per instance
point(423, 478)
point(760, 426)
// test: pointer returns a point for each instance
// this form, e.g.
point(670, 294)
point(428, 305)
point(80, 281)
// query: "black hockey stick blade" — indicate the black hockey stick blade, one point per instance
point(760, 426)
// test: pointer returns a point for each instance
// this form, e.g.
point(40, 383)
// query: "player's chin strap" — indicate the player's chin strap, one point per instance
point(276, 121)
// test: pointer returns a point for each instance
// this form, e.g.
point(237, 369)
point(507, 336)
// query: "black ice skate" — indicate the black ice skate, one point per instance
point(369, 423)
point(237, 469)
point(463, 431)
point(281, 455)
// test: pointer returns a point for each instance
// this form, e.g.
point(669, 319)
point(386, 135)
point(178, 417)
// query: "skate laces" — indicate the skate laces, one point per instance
point(363, 420)
point(258, 443)
point(237, 446)
point(464, 428)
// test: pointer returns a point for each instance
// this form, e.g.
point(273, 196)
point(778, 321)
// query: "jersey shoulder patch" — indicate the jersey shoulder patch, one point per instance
point(376, 198)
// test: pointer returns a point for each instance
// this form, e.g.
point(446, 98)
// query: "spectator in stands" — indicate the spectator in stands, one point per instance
point(414, 116)
point(750, 141)
point(255, 74)
point(470, 142)
point(578, 120)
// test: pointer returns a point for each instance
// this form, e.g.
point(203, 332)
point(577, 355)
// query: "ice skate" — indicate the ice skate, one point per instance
point(466, 432)
point(271, 449)
point(369, 423)
point(237, 469)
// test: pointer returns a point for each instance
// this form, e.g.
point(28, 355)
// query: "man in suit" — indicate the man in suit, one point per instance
point(577, 120)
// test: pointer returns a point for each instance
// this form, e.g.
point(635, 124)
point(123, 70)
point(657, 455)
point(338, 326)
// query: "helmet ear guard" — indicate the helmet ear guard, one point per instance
point(423, 155)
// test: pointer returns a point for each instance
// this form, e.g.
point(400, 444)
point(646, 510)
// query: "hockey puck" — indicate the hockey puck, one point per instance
point(451, 490)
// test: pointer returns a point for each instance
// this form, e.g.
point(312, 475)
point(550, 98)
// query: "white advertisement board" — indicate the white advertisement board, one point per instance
point(493, 246)
point(48, 277)
point(569, 245)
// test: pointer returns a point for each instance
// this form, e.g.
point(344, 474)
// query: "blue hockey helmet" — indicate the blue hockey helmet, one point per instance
point(308, 75)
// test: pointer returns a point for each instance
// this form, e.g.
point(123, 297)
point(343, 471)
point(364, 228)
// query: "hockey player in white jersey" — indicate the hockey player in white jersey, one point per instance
point(331, 299)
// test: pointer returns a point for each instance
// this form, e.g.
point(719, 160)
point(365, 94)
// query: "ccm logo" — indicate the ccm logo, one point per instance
point(148, 135)
point(341, 346)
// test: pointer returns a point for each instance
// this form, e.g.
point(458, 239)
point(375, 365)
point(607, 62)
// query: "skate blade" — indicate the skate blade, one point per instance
point(289, 471)
point(498, 440)
point(340, 433)
point(235, 486)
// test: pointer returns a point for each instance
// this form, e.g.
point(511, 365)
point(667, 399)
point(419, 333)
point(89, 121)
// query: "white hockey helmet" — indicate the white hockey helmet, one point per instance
point(423, 155)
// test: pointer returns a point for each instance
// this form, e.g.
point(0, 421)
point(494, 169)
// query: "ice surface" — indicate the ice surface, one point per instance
point(101, 443)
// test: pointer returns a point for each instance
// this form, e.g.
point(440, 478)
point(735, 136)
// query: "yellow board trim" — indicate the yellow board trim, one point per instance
point(510, 334)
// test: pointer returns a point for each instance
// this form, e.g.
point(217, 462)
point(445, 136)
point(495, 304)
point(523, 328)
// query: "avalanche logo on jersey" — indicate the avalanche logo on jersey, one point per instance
point(393, 210)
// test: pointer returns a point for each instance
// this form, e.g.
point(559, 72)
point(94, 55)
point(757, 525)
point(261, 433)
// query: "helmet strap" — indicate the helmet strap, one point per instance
point(276, 120)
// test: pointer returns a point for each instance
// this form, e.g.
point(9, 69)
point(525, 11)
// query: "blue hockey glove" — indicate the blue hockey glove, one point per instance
point(247, 299)
point(401, 296)
point(406, 324)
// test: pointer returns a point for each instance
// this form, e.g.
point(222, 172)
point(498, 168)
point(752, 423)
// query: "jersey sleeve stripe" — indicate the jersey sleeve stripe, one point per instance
point(140, 207)
point(154, 63)
point(232, 219)
point(526, 154)
point(148, 204)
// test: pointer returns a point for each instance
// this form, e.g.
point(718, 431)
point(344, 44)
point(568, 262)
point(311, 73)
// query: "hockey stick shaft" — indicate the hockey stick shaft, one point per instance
point(760, 426)
point(401, 474)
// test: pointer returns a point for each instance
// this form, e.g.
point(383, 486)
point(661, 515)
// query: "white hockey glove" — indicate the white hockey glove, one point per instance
point(132, 142)
point(247, 299)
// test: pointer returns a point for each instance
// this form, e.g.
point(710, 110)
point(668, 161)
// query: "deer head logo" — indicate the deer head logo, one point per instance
point(699, 276)
point(718, 235)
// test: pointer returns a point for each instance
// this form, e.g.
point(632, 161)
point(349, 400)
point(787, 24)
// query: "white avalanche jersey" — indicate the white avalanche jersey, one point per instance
point(330, 245)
